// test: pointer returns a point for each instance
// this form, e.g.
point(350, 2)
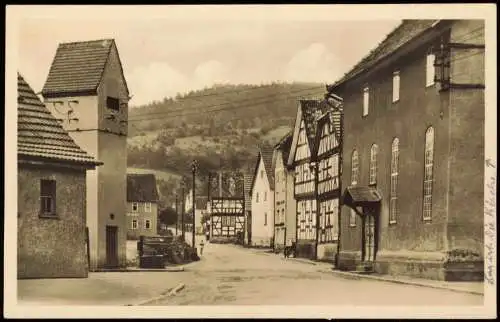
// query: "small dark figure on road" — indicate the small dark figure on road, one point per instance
point(202, 243)
point(290, 250)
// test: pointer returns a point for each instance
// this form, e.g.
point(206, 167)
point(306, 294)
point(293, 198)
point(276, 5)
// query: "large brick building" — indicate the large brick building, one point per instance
point(413, 153)
point(51, 231)
point(87, 90)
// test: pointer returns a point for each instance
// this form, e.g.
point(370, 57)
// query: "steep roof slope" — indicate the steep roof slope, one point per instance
point(40, 135)
point(141, 188)
point(78, 67)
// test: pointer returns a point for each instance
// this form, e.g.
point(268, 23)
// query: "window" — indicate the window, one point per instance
point(352, 218)
point(265, 219)
point(113, 103)
point(354, 168)
point(373, 164)
point(393, 202)
point(265, 195)
point(147, 224)
point(366, 100)
point(395, 86)
point(48, 197)
point(430, 69)
point(262, 173)
point(135, 206)
point(134, 224)
point(428, 175)
point(147, 206)
point(257, 197)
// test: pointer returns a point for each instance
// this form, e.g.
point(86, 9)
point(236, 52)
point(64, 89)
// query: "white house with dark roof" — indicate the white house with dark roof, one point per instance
point(51, 217)
point(87, 92)
point(142, 205)
point(262, 191)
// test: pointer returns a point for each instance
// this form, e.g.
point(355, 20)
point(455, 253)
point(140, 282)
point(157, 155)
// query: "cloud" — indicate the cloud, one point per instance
point(159, 79)
point(209, 73)
point(154, 82)
point(313, 64)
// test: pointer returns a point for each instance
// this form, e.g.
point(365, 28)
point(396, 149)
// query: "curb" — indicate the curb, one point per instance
point(128, 270)
point(170, 293)
point(389, 280)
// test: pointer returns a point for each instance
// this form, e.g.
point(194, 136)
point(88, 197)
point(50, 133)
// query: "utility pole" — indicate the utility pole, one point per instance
point(194, 168)
point(176, 216)
point(183, 183)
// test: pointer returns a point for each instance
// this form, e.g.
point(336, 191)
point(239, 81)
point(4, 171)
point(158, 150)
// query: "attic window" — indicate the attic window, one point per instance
point(113, 103)
point(366, 100)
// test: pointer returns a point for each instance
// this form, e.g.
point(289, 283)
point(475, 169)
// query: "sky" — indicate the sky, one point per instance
point(162, 56)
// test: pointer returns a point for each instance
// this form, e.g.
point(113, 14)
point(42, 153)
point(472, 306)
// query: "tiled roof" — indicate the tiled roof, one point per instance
point(284, 145)
point(248, 178)
point(266, 152)
point(40, 135)
point(201, 202)
point(359, 195)
point(400, 36)
point(141, 187)
point(78, 67)
point(312, 110)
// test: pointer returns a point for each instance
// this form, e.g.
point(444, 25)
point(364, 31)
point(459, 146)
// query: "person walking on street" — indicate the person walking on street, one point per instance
point(202, 243)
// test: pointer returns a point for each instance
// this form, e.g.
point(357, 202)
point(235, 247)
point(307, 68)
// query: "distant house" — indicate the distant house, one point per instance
point(284, 203)
point(87, 90)
point(142, 205)
point(51, 231)
point(262, 226)
point(200, 210)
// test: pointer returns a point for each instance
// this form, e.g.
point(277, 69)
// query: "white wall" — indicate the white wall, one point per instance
point(262, 232)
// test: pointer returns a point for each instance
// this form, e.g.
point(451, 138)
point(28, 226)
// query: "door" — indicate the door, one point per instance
point(249, 227)
point(369, 240)
point(111, 246)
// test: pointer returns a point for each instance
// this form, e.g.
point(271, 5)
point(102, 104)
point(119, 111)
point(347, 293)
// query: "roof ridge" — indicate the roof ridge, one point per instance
point(86, 41)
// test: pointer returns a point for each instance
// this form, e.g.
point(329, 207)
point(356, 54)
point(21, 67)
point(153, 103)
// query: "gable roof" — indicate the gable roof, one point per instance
point(284, 146)
point(330, 117)
point(247, 186)
point(40, 135)
point(141, 187)
point(201, 202)
point(311, 112)
point(78, 67)
point(266, 154)
point(401, 35)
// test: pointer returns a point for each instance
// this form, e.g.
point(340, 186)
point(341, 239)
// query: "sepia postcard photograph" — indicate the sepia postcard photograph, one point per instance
point(256, 161)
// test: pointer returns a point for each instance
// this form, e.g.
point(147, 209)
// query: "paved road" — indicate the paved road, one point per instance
point(231, 275)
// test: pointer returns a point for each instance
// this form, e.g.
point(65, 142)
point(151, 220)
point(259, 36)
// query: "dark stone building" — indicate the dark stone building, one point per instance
point(413, 155)
point(51, 233)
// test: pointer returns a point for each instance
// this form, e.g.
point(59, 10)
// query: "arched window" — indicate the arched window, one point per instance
point(393, 207)
point(428, 173)
point(354, 168)
point(373, 164)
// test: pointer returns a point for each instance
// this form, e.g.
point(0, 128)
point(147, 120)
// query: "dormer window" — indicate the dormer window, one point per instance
point(113, 103)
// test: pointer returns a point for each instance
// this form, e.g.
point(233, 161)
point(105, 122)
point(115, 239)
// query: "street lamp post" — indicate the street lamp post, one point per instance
point(194, 168)
point(183, 184)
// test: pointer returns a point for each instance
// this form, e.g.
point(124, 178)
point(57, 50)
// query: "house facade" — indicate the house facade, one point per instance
point(262, 226)
point(282, 193)
point(87, 91)
point(51, 231)
point(142, 205)
point(326, 157)
point(304, 133)
point(413, 153)
point(248, 178)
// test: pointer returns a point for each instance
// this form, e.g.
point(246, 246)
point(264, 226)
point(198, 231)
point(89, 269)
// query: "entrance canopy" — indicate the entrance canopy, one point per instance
point(361, 196)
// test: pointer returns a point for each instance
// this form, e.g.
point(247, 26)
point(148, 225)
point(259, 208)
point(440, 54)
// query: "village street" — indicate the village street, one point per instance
point(231, 275)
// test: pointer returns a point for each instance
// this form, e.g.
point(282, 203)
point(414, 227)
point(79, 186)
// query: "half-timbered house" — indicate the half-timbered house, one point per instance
point(326, 157)
point(227, 207)
point(303, 140)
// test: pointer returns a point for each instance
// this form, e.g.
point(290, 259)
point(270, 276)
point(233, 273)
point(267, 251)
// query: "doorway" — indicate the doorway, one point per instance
point(369, 237)
point(111, 246)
